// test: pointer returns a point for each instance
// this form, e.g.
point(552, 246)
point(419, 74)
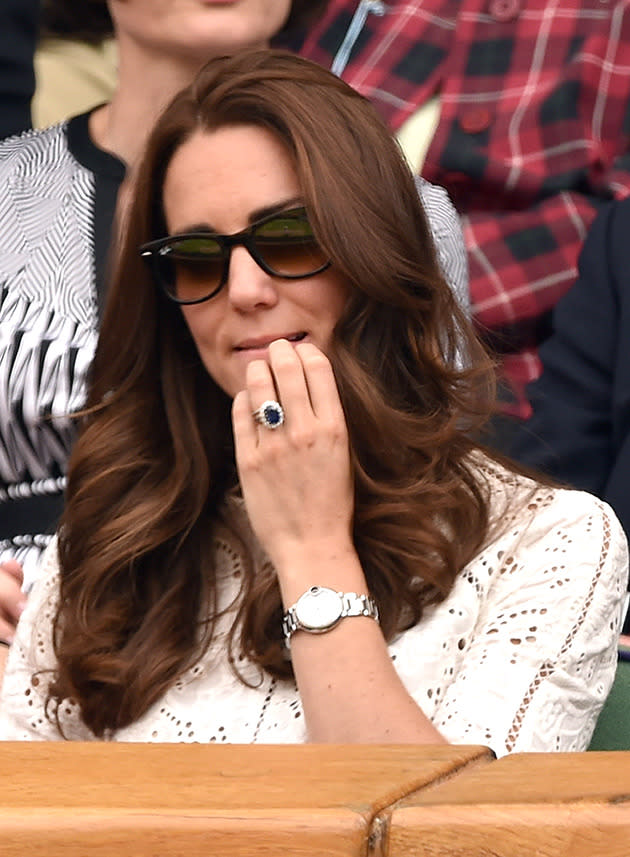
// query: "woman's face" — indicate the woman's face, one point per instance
point(199, 28)
point(223, 181)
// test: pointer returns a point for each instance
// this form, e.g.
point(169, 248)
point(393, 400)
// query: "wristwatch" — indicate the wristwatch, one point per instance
point(321, 608)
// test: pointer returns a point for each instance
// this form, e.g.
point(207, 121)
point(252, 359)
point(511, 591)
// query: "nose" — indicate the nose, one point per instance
point(248, 286)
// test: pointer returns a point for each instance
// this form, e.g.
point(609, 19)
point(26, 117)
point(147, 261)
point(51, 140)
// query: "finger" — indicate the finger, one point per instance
point(13, 568)
point(7, 631)
point(320, 379)
point(259, 383)
point(290, 381)
point(261, 388)
point(12, 599)
point(245, 432)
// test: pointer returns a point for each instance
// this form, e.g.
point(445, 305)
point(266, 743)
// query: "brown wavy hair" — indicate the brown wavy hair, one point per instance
point(90, 20)
point(149, 474)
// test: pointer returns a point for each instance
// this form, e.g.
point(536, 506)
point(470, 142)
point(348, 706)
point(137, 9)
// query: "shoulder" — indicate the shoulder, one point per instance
point(557, 538)
point(446, 229)
point(607, 240)
point(546, 542)
point(35, 152)
point(442, 217)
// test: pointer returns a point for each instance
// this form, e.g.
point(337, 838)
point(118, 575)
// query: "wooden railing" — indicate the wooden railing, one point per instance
point(119, 800)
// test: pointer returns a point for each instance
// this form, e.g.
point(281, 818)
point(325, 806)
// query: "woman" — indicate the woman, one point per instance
point(62, 189)
point(278, 527)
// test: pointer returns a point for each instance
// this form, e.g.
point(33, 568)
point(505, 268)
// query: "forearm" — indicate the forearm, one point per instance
point(298, 487)
point(350, 690)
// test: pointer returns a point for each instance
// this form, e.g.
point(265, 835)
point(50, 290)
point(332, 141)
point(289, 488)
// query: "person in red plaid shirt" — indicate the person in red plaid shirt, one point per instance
point(524, 108)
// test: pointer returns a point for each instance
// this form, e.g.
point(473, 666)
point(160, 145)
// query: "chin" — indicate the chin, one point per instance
point(230, 32)
point(230, 386)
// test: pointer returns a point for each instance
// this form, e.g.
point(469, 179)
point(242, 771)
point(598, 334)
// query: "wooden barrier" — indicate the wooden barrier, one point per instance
point(119, 800)
point(547, 805)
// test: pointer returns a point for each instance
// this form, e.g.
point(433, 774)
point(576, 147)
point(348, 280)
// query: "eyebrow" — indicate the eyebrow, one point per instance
point(254, 216)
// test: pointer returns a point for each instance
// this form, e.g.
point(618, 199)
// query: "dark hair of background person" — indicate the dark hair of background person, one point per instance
point(155, 455)
point(90, 21)
point(18, 38)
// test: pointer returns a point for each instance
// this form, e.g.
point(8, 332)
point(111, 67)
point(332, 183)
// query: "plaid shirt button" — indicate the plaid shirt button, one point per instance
point(504, 10)
point(475, 120)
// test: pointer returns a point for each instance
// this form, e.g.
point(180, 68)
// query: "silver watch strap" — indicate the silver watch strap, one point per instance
point(352, 604)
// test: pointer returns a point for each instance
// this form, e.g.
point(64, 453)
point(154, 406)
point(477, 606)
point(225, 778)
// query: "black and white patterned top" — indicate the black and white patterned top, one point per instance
point(57, 192)
point(57, 199)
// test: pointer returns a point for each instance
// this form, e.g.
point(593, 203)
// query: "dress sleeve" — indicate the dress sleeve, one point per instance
point(30, 666)
point(542, 657)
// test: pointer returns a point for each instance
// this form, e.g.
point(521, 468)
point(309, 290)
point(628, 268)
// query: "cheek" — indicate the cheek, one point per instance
point(202, 327)
point(336, 295)
point(204, 319)
point(190, 320)
point(205, 343)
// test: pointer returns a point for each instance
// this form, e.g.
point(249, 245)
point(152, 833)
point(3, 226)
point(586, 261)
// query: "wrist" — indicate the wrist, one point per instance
point(320, 609)
point(334, 566)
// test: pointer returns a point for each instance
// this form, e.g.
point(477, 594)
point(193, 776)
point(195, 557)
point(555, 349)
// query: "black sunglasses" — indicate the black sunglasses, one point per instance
point(194, 266)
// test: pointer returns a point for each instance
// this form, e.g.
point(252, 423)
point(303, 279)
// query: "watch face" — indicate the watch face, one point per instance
point(318, 609)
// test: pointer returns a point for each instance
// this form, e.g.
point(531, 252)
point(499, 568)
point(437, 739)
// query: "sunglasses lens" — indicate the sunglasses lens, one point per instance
point(192, 267)
point(287, 245)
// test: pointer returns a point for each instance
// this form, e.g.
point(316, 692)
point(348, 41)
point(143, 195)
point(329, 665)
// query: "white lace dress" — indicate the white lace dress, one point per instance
point(519, 657)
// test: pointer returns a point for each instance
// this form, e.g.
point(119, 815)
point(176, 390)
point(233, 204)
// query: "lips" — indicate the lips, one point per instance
point(264, 341)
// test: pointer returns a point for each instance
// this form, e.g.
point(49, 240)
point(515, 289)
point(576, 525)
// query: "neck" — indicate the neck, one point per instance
point(143, 90)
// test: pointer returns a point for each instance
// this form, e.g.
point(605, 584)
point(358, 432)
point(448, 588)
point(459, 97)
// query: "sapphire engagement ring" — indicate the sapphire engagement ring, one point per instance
point(269, 414)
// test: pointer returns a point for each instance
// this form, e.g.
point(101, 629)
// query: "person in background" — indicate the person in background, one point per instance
point(18, 35)
point(279, 526)
point(579, 432)
point(521, 111)
point(76, 62)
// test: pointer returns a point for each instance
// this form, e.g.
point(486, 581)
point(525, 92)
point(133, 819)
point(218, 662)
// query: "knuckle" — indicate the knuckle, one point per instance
point(302, 437)
point(336, 430)
point(258, 459)
point(249, 462)
point(274, 450)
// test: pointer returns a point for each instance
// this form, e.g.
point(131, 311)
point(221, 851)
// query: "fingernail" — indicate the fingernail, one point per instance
point(21, 606)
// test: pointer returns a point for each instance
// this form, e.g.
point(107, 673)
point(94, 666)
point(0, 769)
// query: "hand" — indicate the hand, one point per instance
point(296, 479)
point(12, 599)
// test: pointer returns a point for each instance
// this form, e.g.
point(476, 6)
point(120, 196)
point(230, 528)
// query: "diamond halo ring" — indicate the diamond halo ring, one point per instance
point(270, 414)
